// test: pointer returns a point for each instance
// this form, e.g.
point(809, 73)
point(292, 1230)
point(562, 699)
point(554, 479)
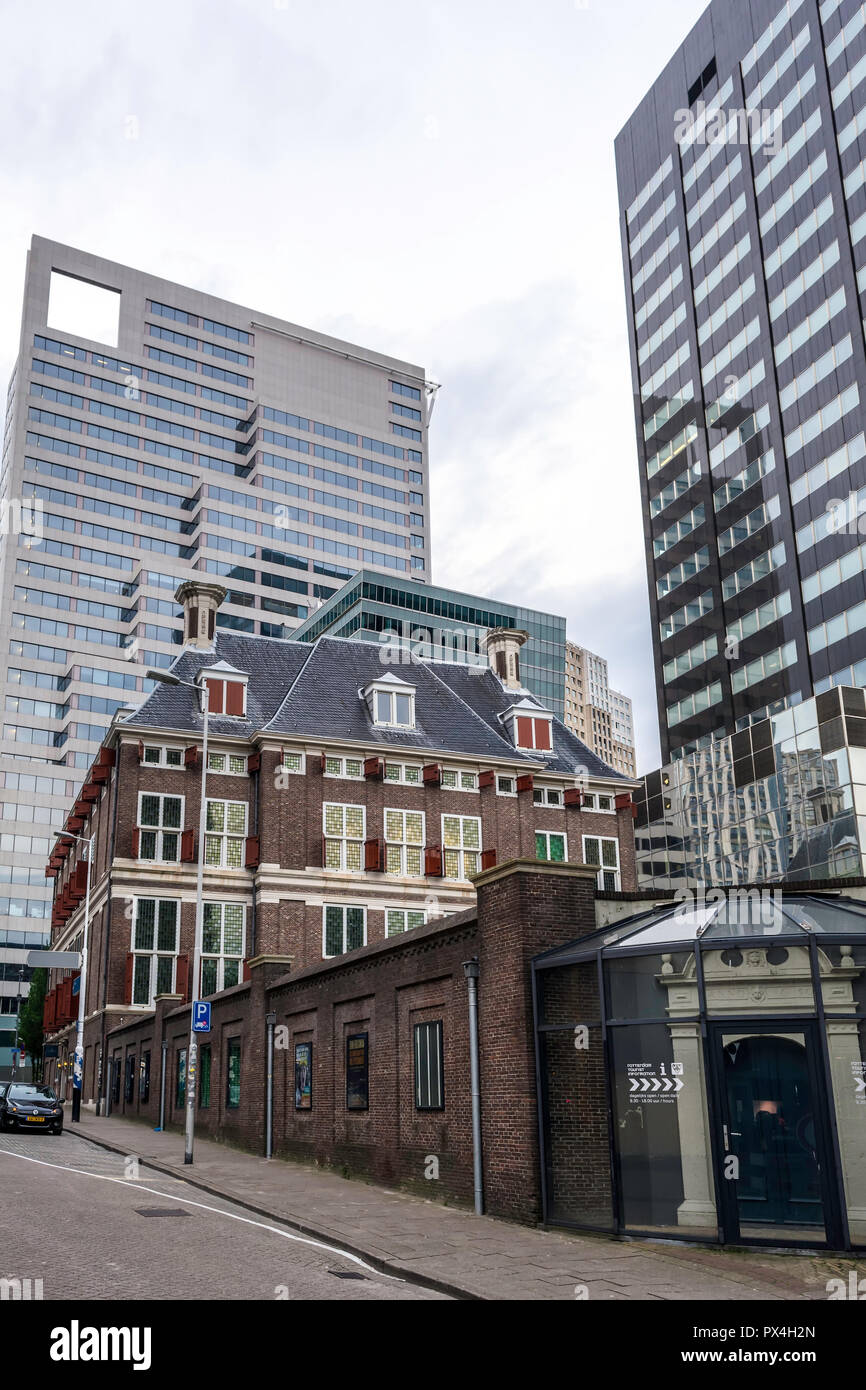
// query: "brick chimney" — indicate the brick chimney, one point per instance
point(200, 603)
point(503, 653)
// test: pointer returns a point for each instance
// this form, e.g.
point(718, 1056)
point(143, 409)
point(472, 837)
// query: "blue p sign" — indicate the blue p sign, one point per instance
point(200, 1017)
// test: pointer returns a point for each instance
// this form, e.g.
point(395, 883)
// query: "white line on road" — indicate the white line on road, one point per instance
point(202, 1206)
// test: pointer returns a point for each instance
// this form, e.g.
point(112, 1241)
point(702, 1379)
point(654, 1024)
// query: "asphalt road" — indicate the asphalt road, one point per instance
point(73, 1216)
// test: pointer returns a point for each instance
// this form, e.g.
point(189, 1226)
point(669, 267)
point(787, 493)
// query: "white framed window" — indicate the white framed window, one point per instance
point(456, 780)
point(154, 945)
point(351, 768)
point(506, 786)
point(461, 846)
point(599, 801)
point(395, 708)
point(603, 853)
point(551, 845)
point(222, 946)
point(160, 823)
point(344, 829)
point(291, 763)
point(404, 843)
point(400, 919)
point(155, 755)
point(225, 834)
point(343, 929)
point(547, 796)
point(408, 773)
point(235, 764)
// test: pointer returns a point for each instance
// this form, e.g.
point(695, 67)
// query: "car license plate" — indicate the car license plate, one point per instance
point(36, 1119)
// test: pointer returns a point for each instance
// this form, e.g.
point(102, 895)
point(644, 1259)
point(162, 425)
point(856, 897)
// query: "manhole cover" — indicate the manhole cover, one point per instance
point(160, 1211)
point(340, 1274)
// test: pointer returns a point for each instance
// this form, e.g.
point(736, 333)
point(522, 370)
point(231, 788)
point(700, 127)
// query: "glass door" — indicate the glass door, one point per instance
point(773, 1163)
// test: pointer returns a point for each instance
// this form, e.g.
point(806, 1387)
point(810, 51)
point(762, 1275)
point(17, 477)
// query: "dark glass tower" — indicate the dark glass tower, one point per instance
point(742, 181)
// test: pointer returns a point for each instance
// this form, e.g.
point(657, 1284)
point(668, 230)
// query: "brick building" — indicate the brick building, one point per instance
point(348, 801)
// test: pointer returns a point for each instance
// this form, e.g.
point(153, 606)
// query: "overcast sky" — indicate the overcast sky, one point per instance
point(434, 181)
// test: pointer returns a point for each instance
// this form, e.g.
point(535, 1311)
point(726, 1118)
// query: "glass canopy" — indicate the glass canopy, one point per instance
point(741, 915)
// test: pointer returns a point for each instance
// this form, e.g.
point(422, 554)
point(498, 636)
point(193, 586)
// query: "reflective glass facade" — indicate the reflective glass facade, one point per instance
point(742, 180)
point(443, 624)
point(784, 800)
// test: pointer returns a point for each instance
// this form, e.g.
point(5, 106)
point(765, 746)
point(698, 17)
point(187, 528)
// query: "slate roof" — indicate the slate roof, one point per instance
point(314, 690)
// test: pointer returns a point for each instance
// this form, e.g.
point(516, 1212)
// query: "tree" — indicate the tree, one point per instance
point(30, 1031)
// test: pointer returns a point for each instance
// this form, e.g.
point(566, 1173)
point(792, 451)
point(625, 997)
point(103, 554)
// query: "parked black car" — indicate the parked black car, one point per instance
point(25, 1106)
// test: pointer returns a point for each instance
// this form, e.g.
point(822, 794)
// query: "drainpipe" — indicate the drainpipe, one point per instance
point(471, 971)
point(102, 1100)
point(164, 1051)
point(270, 1020)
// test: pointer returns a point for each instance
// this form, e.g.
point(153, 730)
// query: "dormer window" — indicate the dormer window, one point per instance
point(531, 726)
point(391, 702)
point(227, 690)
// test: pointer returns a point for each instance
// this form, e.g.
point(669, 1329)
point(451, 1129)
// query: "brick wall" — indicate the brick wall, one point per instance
point(384, 990)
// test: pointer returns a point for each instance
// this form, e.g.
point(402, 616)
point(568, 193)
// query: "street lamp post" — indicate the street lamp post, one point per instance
point(166, 678)
point(78, 1060)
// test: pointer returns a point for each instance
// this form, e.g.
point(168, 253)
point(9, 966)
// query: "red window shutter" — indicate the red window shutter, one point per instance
point(127, 988)
point(136, 840)
point(234, 697)
point(524, 732)
point(187, 847)
point(106, 757)
point(254, 762)
point(620, 802)
point(525, 783)
point(488, 859)
point(432, 775)
point(251, 858)
point(141, 752)
point(190, 755)
point(486, 779)
point(374, 855)
point(374, 769)
point(247, 973)
point(181, 978)
point(324, 759)
point(433, 861)
point(216, 696)
point(542, 733)
point(573, 796)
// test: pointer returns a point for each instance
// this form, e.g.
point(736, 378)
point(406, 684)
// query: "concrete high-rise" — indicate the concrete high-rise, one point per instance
point(599, 715)
point(155, 433)
point(742, 179)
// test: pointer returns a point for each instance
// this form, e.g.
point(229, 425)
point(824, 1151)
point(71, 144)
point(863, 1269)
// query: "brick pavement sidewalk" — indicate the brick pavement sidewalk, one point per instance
point(458, 1252)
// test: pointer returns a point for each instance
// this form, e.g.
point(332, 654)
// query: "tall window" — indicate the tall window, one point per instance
point(461, 841)
point(204, 1077)
point(160, 821)
point(154, 944)
point(549, 845)
point(343, 829)
point(226, 828)
point(222, 946)
point(605, 854)
point(180, 1080)
point(233, 1074)
point(404, 842)
point(429, 1079)
point(344, 929)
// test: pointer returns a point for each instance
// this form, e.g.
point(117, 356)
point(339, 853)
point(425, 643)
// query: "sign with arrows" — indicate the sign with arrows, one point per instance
point(651, 1082)
point(859, 1072)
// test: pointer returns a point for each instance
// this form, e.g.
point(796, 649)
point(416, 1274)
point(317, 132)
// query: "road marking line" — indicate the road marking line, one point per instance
point(246, 1220)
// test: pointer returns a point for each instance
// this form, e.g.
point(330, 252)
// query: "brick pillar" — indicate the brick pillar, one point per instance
point(524, 907)
point(263, 972)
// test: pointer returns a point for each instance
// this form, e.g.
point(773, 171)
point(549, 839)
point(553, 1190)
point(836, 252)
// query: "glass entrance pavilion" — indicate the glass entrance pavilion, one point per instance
point(702, 1072)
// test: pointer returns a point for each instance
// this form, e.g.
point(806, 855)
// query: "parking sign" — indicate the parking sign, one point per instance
point(201, 1016)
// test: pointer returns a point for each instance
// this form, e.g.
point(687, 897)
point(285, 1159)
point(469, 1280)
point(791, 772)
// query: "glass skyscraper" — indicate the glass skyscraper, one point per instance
point(153, 434)
point(742, 179)
point(444, 624)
